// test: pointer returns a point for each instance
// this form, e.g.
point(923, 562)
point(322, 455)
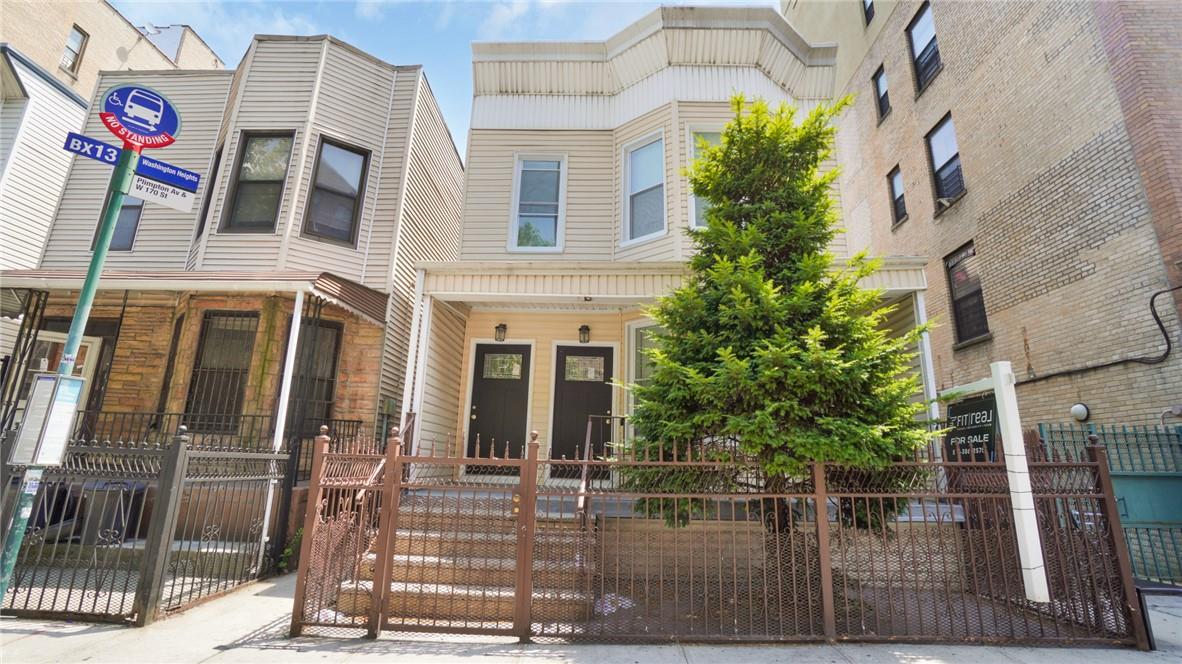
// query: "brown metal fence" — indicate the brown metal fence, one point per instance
point(696, 549)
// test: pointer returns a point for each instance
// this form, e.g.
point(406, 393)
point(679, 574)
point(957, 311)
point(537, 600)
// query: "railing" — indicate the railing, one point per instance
point(1147, 465)
point(231, 432)
point(127, 531)
point(702, 545)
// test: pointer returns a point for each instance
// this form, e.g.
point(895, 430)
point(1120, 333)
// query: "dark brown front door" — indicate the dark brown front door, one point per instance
point(500, 399)
point(582, 387)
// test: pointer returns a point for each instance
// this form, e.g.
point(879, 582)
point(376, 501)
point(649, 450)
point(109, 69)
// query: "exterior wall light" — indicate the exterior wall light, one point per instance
point(1080, 412)
point(584, 334)
point(501, 329)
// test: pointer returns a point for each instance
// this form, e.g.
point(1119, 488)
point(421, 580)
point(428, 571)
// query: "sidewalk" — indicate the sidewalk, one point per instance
point(249, 626)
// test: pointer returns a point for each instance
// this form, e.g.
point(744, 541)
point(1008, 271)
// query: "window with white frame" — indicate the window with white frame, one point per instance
point(699, 203)
point(537, 220)
point(644, 179)
point(75, 47)
point(641, 339)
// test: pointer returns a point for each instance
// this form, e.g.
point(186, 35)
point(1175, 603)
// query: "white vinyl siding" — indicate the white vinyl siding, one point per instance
point(588, 198)
point(35, 166)
point(536, 223)
point(164, 235)
point(429, 221)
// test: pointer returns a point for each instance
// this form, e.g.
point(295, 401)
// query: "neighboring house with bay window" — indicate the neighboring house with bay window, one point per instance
point(576, 217)
point(282, 300)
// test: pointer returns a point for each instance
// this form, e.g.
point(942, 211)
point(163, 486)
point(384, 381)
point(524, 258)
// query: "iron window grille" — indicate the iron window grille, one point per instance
point(127, 224)
point(261, 171)
point(221, 370)
point(881, 92)
point(75, 47)
point(925, 53)
point(868, 10)
point(968, 302)
point(898, 201)
point(945, 158)
point(315, 381)
point(338, 187)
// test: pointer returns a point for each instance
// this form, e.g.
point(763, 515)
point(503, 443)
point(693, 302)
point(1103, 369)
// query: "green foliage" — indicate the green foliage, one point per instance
point(772, 352)
point(291, 552)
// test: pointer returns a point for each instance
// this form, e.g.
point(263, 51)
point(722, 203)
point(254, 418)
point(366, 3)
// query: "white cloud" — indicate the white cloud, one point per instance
point(227, 26)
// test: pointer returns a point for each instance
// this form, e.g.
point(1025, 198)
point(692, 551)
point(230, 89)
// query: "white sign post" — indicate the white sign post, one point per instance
point(1001, 382)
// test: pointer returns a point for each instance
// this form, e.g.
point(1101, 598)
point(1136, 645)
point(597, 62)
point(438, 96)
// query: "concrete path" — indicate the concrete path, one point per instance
point(249, 626)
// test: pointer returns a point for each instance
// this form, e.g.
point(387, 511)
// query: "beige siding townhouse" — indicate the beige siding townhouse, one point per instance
point(282, 301)
point(51, 54)
point(576, 216)
point(1031, 153)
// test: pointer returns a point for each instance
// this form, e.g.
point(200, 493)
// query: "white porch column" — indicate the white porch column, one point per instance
point(293, 337)
point(926, 367)
point(421, 369)
point(1034, 573)
point(412, 351)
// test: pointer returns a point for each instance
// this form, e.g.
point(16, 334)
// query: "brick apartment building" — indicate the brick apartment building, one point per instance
point(1032, 152)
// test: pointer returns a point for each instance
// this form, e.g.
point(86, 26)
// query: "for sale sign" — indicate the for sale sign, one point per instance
point(972, 434)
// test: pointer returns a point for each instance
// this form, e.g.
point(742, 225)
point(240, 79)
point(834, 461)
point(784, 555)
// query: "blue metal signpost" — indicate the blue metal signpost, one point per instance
point(142, 118)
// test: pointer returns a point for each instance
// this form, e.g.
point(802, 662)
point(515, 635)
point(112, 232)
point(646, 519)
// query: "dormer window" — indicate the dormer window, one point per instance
point(644, 180)
point(537, 220)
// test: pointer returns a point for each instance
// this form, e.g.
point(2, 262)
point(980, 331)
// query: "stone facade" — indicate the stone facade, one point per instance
point(144, 346)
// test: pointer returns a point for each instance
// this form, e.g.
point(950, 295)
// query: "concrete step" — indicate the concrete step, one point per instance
point(467, 571)
point(548, 545)
point(492, 521)
point(420, 601)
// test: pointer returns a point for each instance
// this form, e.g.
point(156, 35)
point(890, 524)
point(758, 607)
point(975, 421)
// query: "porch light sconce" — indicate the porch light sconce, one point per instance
point(1080, 412)
point(501, 329)
point(584, 334)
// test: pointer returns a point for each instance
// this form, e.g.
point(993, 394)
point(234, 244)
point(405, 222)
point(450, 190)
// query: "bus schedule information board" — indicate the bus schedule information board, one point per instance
point(48, 419)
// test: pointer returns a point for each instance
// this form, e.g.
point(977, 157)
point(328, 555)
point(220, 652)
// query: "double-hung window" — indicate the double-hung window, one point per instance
point(126, 225)
point(945, 158)
point(868, 10)
point(334, 205)
point(258, 182)
point(881, 92)
point(898, 203)
point(925, 54)
point(644, 179)
point(700, 203)
point(537, 220)
point(964, 285)
point(75, 46)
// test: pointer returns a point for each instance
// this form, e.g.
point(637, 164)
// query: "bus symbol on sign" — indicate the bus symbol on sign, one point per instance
point(140, 116)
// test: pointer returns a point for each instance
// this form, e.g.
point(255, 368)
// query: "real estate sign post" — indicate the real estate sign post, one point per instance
point(142, 118)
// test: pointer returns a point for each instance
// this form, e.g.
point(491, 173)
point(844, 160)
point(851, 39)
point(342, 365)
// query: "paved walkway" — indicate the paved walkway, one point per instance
point(249, 626)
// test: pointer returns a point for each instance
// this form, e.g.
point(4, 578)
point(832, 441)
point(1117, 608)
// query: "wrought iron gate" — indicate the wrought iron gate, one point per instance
point(127, 531)
point(611, 550)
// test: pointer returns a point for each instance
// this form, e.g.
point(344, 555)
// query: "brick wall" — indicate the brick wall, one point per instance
point(1057, 204)
point(145, 337)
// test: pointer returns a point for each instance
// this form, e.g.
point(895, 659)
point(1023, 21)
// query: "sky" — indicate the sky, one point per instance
point(435, 34)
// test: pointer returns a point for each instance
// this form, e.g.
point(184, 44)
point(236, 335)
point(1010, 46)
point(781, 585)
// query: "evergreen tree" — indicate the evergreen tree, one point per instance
point(769, 352)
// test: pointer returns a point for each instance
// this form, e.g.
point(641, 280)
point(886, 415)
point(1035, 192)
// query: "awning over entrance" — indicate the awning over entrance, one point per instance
point(349, 295)
point(605, 282)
